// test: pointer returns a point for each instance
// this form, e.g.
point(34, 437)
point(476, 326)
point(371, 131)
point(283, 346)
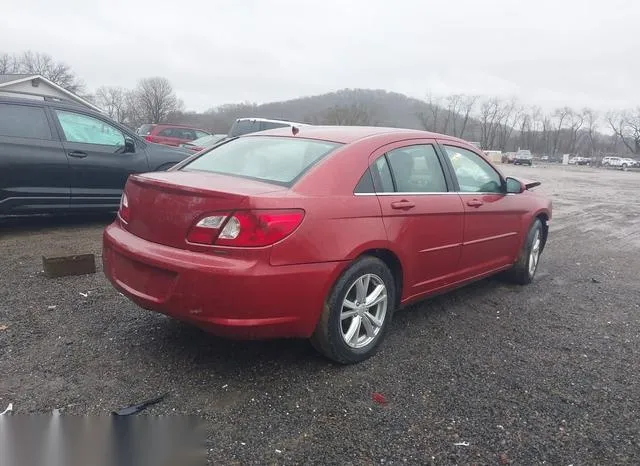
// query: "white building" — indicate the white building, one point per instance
point(37, 87)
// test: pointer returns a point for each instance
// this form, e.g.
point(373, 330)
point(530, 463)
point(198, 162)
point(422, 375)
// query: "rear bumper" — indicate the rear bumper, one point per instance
point(231, 297)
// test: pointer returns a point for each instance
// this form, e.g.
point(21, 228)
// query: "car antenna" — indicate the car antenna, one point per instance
point(295, 130)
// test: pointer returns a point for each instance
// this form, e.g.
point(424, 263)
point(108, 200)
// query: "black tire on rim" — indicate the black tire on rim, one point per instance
point(526, 266)
point(357, 312)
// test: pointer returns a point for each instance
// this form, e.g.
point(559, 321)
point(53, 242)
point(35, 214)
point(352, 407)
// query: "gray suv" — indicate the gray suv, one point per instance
point(58, 157)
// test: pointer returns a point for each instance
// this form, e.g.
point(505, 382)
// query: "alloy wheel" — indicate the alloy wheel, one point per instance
point(534, 255)
point(364, 309)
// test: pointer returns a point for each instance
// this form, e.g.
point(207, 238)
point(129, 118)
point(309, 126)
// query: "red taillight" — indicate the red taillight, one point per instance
point(251, 228)
point(149, 138)
point(124, 209)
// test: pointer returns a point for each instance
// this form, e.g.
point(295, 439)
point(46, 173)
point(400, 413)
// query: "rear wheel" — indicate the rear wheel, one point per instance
point(525, 268)
point(624, 167)
point(357, 312)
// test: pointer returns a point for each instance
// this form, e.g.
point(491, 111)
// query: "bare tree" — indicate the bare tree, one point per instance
point(356, 114)
point(560, 115)
point(489, 116)
point(466, 108)
point(430, 119)
point(7, 64)
point(114, 101)
point(156, 99)
point(591, 120)
point(626, 126)
point(575, 122)
point(42, 64)
point(509, 115)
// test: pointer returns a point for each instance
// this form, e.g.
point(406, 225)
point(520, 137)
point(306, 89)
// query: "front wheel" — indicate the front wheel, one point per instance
point(357, 312)
point(525, 268)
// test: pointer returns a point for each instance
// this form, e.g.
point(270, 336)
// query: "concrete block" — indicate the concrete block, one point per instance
point(61, 266)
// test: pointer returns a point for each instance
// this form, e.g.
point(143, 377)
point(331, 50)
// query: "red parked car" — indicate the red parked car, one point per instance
point(320, 232)
point(170, 135)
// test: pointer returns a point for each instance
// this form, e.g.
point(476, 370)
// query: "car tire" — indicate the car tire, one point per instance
point(624, 167)
point(523, 271)
point(348, 335)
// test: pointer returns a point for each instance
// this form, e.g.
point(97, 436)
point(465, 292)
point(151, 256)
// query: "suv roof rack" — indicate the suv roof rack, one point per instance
point(35, 96)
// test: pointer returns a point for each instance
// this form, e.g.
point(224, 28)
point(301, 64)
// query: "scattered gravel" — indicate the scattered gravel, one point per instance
point(489, 374)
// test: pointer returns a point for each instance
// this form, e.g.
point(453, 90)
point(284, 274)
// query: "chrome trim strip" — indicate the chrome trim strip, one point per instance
point(440, 248)
point(461, 193)
point(490, 238)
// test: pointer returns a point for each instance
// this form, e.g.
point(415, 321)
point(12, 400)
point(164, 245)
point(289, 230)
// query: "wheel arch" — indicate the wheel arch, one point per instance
point(544, 218)
point(392, 261)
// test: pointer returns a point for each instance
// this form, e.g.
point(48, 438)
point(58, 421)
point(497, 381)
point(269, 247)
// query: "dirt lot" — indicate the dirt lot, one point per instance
point(544, 373)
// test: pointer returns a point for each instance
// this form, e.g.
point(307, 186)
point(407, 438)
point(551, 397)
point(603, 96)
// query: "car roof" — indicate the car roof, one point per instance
point(171, 125)
point(349, 134)
point(48, 101)
point(270, 120)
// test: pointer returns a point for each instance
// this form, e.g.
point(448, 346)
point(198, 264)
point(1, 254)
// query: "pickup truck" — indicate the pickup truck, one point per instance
point(523, 157)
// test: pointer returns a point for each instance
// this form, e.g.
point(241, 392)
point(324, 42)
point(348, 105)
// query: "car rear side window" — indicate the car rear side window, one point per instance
point(382, 179)
point(272, 159)
point(365, 185)
point(24, 121)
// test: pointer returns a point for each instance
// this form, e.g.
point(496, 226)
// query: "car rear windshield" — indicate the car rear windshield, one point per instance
point(278, 160)
point(144, 130)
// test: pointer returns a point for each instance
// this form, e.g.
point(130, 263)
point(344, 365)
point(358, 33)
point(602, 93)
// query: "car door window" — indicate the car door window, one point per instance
point(474, 174)
point(189, 135)
point(24, 121)
point(417, 169)
point(85, 129)
point(167, 133)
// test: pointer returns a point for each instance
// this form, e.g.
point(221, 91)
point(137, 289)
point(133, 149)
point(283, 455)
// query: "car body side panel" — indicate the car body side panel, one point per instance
point(343, 226)
point(34, 176)
point(98, 178)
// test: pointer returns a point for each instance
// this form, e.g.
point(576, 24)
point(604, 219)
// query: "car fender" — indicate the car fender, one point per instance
point(527, 222)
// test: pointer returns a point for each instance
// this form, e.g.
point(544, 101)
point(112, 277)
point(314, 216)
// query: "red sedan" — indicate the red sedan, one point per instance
point(320, 233)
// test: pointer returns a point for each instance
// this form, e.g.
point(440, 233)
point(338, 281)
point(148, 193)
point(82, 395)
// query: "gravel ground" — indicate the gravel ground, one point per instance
point(547, 373)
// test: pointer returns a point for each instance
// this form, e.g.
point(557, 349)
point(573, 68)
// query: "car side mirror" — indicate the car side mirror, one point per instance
point(129, 145)
point(514, 186)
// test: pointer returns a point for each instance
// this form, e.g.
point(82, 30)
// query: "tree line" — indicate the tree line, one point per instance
point(505, 124)
point(495, 123)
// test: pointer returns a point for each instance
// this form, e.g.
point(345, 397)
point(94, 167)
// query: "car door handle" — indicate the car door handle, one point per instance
point(403, 204)
point(77, 154)
point(474, 203)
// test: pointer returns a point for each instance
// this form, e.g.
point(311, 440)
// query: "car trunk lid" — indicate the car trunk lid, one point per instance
point(163, 206)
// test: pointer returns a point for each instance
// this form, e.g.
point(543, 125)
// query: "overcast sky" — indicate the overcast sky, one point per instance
point(550, 53)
